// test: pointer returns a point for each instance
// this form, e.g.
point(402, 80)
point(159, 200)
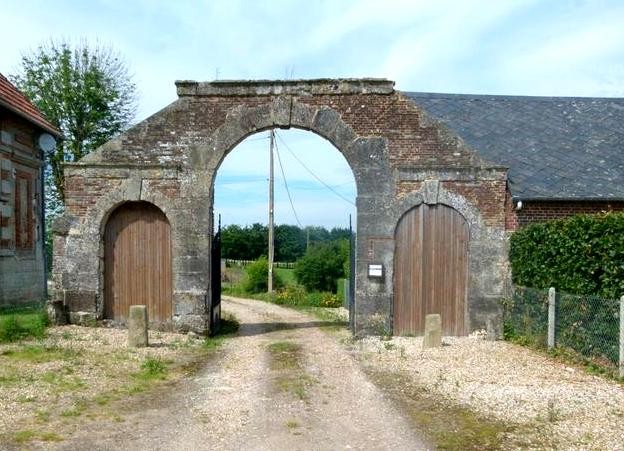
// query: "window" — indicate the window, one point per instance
point(23, 211)
point(6, 207)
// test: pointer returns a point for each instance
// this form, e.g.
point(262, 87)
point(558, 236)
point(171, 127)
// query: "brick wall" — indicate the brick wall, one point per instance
point(533, 212)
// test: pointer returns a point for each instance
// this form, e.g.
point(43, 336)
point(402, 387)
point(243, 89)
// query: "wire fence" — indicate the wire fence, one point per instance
point(229, 262)
point(589, 326)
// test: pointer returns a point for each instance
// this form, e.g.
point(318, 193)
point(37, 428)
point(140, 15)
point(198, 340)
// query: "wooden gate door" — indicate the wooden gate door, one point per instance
point(431, 270)
point(137, 262)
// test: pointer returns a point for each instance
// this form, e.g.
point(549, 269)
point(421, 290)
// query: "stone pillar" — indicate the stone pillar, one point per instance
point(137, 326)
point(433, 331)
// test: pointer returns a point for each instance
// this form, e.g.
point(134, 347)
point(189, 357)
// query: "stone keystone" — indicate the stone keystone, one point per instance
point(433, 331)
point(137, 326)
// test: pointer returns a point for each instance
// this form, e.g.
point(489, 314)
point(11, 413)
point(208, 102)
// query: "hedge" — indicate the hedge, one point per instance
point(583, 254)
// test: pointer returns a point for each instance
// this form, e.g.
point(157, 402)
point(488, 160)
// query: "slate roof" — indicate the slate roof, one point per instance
point(556, 148)
point(12, 99)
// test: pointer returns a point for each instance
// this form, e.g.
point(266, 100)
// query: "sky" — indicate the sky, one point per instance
point(513, 47)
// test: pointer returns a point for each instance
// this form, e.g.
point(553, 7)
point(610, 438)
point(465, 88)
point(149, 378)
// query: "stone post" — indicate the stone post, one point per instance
point(137, 326)
point(551, 317)
point(433, 331)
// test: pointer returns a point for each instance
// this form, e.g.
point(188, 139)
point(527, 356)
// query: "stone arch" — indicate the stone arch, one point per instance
point(170, 159)
point(286, 112)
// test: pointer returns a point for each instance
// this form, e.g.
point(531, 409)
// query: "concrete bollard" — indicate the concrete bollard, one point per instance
point(137, 326)
point(433, 331)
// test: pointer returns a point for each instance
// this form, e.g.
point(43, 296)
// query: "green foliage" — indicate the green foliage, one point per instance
point(86, 91)
point(251, 242)
point(257, 277)
point(152, 368)
point(582, 255)
point(20, 323)
point(244, 243)
point(322, 266)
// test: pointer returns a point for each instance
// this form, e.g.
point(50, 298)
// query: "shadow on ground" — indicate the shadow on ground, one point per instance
point(250, 329)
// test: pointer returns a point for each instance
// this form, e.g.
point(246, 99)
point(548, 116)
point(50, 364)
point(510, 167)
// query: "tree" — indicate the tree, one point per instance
point(322, 265)
point(85, 91)
point(290, 243)
point(258, 277)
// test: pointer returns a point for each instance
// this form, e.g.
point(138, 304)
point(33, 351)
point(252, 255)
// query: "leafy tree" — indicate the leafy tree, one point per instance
point(258, 277)
point(322, 265)
point(86, 91)
point(290, 243)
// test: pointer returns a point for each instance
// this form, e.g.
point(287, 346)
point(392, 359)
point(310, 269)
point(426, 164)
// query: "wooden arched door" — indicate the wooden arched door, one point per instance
point(137, 262)
point(430, 270)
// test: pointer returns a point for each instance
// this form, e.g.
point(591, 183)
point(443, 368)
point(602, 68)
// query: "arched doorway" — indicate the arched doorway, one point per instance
point(137, 262)
point(431, 269)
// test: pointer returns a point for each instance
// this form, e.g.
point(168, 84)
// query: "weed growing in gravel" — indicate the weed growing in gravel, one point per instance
point(292, 424)
point(152, 368)
point(40, 353)
point(28, 435)
point(228, 328)
point(285, 355)
point(286, 360)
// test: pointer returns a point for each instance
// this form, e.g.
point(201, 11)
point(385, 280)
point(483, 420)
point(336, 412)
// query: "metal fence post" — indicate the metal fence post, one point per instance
point(622, 336)
point(551, 318)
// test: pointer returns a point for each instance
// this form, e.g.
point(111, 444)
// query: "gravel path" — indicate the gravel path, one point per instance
point(560, 407)
point(248, 400)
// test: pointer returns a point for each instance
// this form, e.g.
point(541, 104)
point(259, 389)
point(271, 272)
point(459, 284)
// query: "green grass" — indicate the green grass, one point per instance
point(229, 327)
point(287, 275)
point(40, 353)
point(449, 426)
point(18, 323)
point(28, 435)
point(286, 361)
point(152, 368)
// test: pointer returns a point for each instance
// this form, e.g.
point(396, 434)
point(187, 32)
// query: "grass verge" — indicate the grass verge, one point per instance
point(18, 323)
point(75, 376)
point(447, 426)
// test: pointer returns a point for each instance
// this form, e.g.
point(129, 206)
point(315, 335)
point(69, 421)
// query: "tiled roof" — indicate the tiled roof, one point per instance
point(12, 99)
point(556, 148)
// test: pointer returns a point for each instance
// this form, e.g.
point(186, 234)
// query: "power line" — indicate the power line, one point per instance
point(312, 173)
point(279, 160)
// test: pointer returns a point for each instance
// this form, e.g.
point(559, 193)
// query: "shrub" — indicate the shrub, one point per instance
point(322, 266)
point(582, 255)
point(257, 277)
point(291, 295)
point(20, 324)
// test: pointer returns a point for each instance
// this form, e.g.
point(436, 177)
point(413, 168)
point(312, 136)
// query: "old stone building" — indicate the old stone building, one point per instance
point(22, 129)
point(433, 206)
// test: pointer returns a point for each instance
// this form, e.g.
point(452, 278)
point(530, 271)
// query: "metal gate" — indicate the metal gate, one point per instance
point(351, 277)
point(215, 282)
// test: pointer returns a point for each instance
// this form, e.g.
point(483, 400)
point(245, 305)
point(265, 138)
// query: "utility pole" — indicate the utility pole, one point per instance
point(271, 244)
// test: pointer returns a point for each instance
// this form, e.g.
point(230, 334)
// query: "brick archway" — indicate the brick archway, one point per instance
point(391, 145)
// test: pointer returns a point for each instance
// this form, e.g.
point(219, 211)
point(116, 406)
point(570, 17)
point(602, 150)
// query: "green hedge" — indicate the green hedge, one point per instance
point(583, 255)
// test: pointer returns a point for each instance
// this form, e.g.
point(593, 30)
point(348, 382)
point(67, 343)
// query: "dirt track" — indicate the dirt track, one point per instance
point(281, 384)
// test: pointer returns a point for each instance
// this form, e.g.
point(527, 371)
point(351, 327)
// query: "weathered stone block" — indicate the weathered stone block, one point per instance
point(433, 331)
point(137, 326)
point(80, 301)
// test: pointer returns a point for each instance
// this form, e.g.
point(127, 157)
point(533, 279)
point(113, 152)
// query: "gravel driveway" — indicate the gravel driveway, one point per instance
point(284, 384)
point(281, 384)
